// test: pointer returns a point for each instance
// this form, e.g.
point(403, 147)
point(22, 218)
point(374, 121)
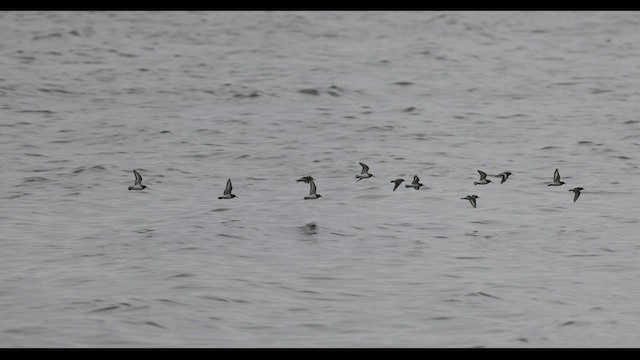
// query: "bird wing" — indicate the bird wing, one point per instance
point(556, 176)
point(138, 177)
point(312, 187)
point(227, 189)
point(483, 175)
point(416, 179)
point(365, 168)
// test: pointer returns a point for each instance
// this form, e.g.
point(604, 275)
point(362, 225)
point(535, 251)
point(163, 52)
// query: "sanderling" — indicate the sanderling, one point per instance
point(306, 179)
point(483, 179)
point(504, 175)
point(364, 174)
point(576, 192)
point(415, 184)
point(227, 191)
point(312, 191)
point(471, 198)
point(556, 179)
point(138, 185)
point(397, 183)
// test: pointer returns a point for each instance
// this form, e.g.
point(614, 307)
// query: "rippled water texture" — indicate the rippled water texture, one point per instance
point(191, 99)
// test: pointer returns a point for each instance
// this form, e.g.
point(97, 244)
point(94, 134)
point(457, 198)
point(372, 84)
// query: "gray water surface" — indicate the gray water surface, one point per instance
point(191, 99)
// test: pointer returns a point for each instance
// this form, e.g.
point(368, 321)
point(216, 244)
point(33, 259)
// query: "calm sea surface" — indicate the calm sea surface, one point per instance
point(191, 99)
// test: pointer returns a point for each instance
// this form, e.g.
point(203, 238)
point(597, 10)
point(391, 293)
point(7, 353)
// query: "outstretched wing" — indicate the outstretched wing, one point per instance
point(312, 187)
point(305, 179)
point(556, 176)
point(138, 177)
point(227, 189)
point(483, 175)
point(416, 179)
point(365, 168)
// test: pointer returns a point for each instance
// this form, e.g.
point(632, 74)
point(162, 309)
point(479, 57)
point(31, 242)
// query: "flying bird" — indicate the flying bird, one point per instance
point(415, 184)
point(138, 184)
point(472, 199)
point(397, 183)
point(312, 191)
point(504, 175)
point(364, 174)
point(556, 179)
point(576, 193)
point(483, 179)
point(227, 191)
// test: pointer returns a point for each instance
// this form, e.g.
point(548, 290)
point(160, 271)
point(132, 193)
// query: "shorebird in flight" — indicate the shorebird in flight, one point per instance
point(397, 183)
point(576, 193)
point(415, 184)
point(472, 199)
point(504, 175)
point(483, 179)
point(364, 174)
point(138, 185)
point(227, 191)
point(312, 191)
point(556, 179)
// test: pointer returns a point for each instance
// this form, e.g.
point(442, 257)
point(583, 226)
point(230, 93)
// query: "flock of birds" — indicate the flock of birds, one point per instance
point(364, 174)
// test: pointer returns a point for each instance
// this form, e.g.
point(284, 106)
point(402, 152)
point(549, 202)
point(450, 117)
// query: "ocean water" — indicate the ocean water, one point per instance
point(191, 99)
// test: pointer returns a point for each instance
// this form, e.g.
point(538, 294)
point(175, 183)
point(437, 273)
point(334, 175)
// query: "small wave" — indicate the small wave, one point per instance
point(403, 83)
point(84, 168)
point(231, 236)
point(182, 275)
point(221, 299)
point(55, 91)
point(34, 179)
point(309, 91)
point(105, 309)
point(332, 90)
point(253, 94)
point(36, 111)
point(15, 196)
point(150, 323)
point(480, 293)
